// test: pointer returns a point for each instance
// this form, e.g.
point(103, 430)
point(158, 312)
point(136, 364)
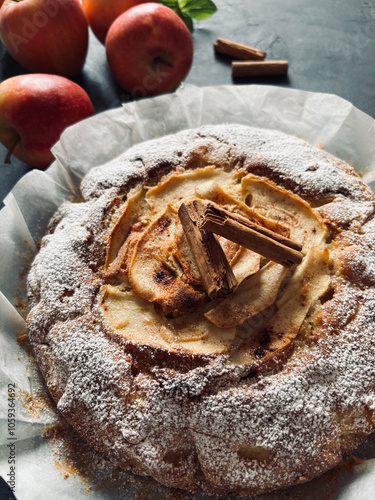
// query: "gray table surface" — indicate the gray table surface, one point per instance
point(330, 46)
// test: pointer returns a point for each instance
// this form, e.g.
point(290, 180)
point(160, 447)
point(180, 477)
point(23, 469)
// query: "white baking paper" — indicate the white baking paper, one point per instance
point(324, 120)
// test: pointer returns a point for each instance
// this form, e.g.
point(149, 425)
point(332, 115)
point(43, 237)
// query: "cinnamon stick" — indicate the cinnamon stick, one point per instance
point(259, 68)
point(236, 228)
point(217, 275)
point(238, 50)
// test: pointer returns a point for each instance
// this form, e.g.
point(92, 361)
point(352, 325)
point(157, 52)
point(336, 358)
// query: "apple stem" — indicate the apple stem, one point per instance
point(160, 60)
point(10, 150)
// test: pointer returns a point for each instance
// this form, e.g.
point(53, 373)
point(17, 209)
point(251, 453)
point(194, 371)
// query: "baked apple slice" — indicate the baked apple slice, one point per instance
point(136, 320)
point(127, 217)
point(272, 201)
point(179, 187)
point(253, 296)
point(154, 272)
point(310, 281)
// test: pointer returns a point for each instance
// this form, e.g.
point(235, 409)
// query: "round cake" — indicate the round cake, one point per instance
point(261, 387)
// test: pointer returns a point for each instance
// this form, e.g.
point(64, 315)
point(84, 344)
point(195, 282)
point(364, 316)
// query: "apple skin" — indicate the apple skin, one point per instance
point(35, 109)
point(149, 50)
point(45, 36)
point(101, 14)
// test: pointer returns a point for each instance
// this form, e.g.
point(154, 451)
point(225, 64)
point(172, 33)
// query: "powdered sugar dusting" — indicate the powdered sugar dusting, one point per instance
point(291, 161)
point(213, 427)
point(296, 416)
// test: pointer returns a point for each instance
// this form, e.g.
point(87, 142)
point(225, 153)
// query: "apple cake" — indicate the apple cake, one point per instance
point(267, 386)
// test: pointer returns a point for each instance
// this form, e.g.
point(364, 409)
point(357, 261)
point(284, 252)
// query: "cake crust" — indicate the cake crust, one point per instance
point(202, 420)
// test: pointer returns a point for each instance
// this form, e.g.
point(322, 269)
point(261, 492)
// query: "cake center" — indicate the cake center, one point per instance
point(154, 293)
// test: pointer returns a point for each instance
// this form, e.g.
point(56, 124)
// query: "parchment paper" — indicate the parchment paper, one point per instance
point(324, 120)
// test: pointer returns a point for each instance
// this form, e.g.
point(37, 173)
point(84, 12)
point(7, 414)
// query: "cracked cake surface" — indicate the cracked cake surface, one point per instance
point(265, 388)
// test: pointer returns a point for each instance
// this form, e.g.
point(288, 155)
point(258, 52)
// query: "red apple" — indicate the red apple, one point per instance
point(34, 111)
point(149, 50)
point(101, 13)
point(45, 36)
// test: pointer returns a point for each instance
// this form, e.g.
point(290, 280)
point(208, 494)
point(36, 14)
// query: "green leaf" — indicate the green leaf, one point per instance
point(187, 20)
point(188, 9)
point(172, 4)
point(198, 9)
